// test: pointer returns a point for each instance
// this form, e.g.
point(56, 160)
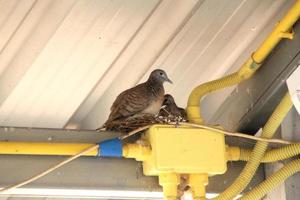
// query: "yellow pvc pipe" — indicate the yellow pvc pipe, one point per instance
point(282, 30)
point(258, 152)
point(198, 182)
point(274, 180)
point(288, 151)
point(193, 108)
point(249, 67)
point(40, 148)
point(169, 183)
point(136, 151)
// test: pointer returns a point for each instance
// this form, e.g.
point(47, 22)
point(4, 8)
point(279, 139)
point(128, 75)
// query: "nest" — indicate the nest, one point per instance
point(135, 122)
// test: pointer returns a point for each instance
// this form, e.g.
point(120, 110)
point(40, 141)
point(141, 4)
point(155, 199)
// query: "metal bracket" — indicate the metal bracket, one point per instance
point(287, 35)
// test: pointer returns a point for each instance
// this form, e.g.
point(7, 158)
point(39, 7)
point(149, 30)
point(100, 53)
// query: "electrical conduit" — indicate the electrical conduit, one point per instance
point(258, 152)
point(240, 154)
point(274, 155)
point(274, 180)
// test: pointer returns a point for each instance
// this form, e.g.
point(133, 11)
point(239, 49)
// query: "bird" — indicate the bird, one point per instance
point(143, 99)
point(169, 108)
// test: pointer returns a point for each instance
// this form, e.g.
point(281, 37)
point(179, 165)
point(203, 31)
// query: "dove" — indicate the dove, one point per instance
point(145, 98)
point(170, 108)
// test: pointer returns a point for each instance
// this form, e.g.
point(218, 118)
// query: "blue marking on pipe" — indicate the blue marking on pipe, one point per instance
point(111, 148)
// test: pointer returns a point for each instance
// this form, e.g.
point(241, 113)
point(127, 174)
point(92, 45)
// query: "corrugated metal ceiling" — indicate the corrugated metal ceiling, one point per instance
point(62, 62)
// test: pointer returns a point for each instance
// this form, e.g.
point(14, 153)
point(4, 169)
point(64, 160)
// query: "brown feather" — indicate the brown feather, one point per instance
point(170, 109)
point(129, 103)
point(145, 98)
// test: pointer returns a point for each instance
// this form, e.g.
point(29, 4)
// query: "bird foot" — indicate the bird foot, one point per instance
point(176, 124)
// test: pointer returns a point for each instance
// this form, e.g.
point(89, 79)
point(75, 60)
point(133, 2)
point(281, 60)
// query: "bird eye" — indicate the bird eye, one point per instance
point(161, 73)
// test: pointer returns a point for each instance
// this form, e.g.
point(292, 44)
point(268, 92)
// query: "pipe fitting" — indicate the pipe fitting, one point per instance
point(233, 153)
point(136, 151)
point(169, 183)
point(197, 182)
point(287, 35)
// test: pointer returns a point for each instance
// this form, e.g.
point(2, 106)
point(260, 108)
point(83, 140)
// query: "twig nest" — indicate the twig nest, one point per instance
point(137, 121)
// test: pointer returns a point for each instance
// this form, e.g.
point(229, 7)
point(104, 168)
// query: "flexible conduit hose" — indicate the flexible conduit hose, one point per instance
point(193, 108)
point(274, 154)
point(275, 179)
point(258, 152)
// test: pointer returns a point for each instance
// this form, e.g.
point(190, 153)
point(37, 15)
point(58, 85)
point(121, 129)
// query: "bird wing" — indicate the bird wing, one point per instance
point(130, 102)
point(183, 113)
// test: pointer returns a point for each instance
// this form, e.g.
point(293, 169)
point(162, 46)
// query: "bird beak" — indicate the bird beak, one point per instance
point(168, 80)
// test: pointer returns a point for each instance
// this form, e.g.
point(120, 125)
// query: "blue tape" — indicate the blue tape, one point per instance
point(111, 148)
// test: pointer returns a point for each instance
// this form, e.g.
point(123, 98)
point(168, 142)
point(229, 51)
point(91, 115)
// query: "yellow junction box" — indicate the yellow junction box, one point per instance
point(184, 150)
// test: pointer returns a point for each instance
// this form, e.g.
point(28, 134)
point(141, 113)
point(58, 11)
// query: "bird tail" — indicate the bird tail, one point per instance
point(105, 126)
point(101, 128)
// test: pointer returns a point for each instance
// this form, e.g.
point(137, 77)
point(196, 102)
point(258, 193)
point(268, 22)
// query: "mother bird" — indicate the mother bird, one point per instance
point(143, 99)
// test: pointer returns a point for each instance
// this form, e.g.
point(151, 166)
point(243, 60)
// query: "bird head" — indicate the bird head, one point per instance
point(168, 100)
point(160, 76)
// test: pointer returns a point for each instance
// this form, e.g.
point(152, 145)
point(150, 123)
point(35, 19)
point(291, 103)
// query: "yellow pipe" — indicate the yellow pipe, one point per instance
point(40, 148)
point(136, 151)
point(288, 151)
point(271, 182)
point(268, 131)
point(233, 153)
point(249, 67)
point(193, 108)
point(197, 182)
point(282, 30)
point(169, 183)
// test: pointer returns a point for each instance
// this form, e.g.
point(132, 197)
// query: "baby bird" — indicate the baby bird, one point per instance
point(145, 98)
point(170, 108)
